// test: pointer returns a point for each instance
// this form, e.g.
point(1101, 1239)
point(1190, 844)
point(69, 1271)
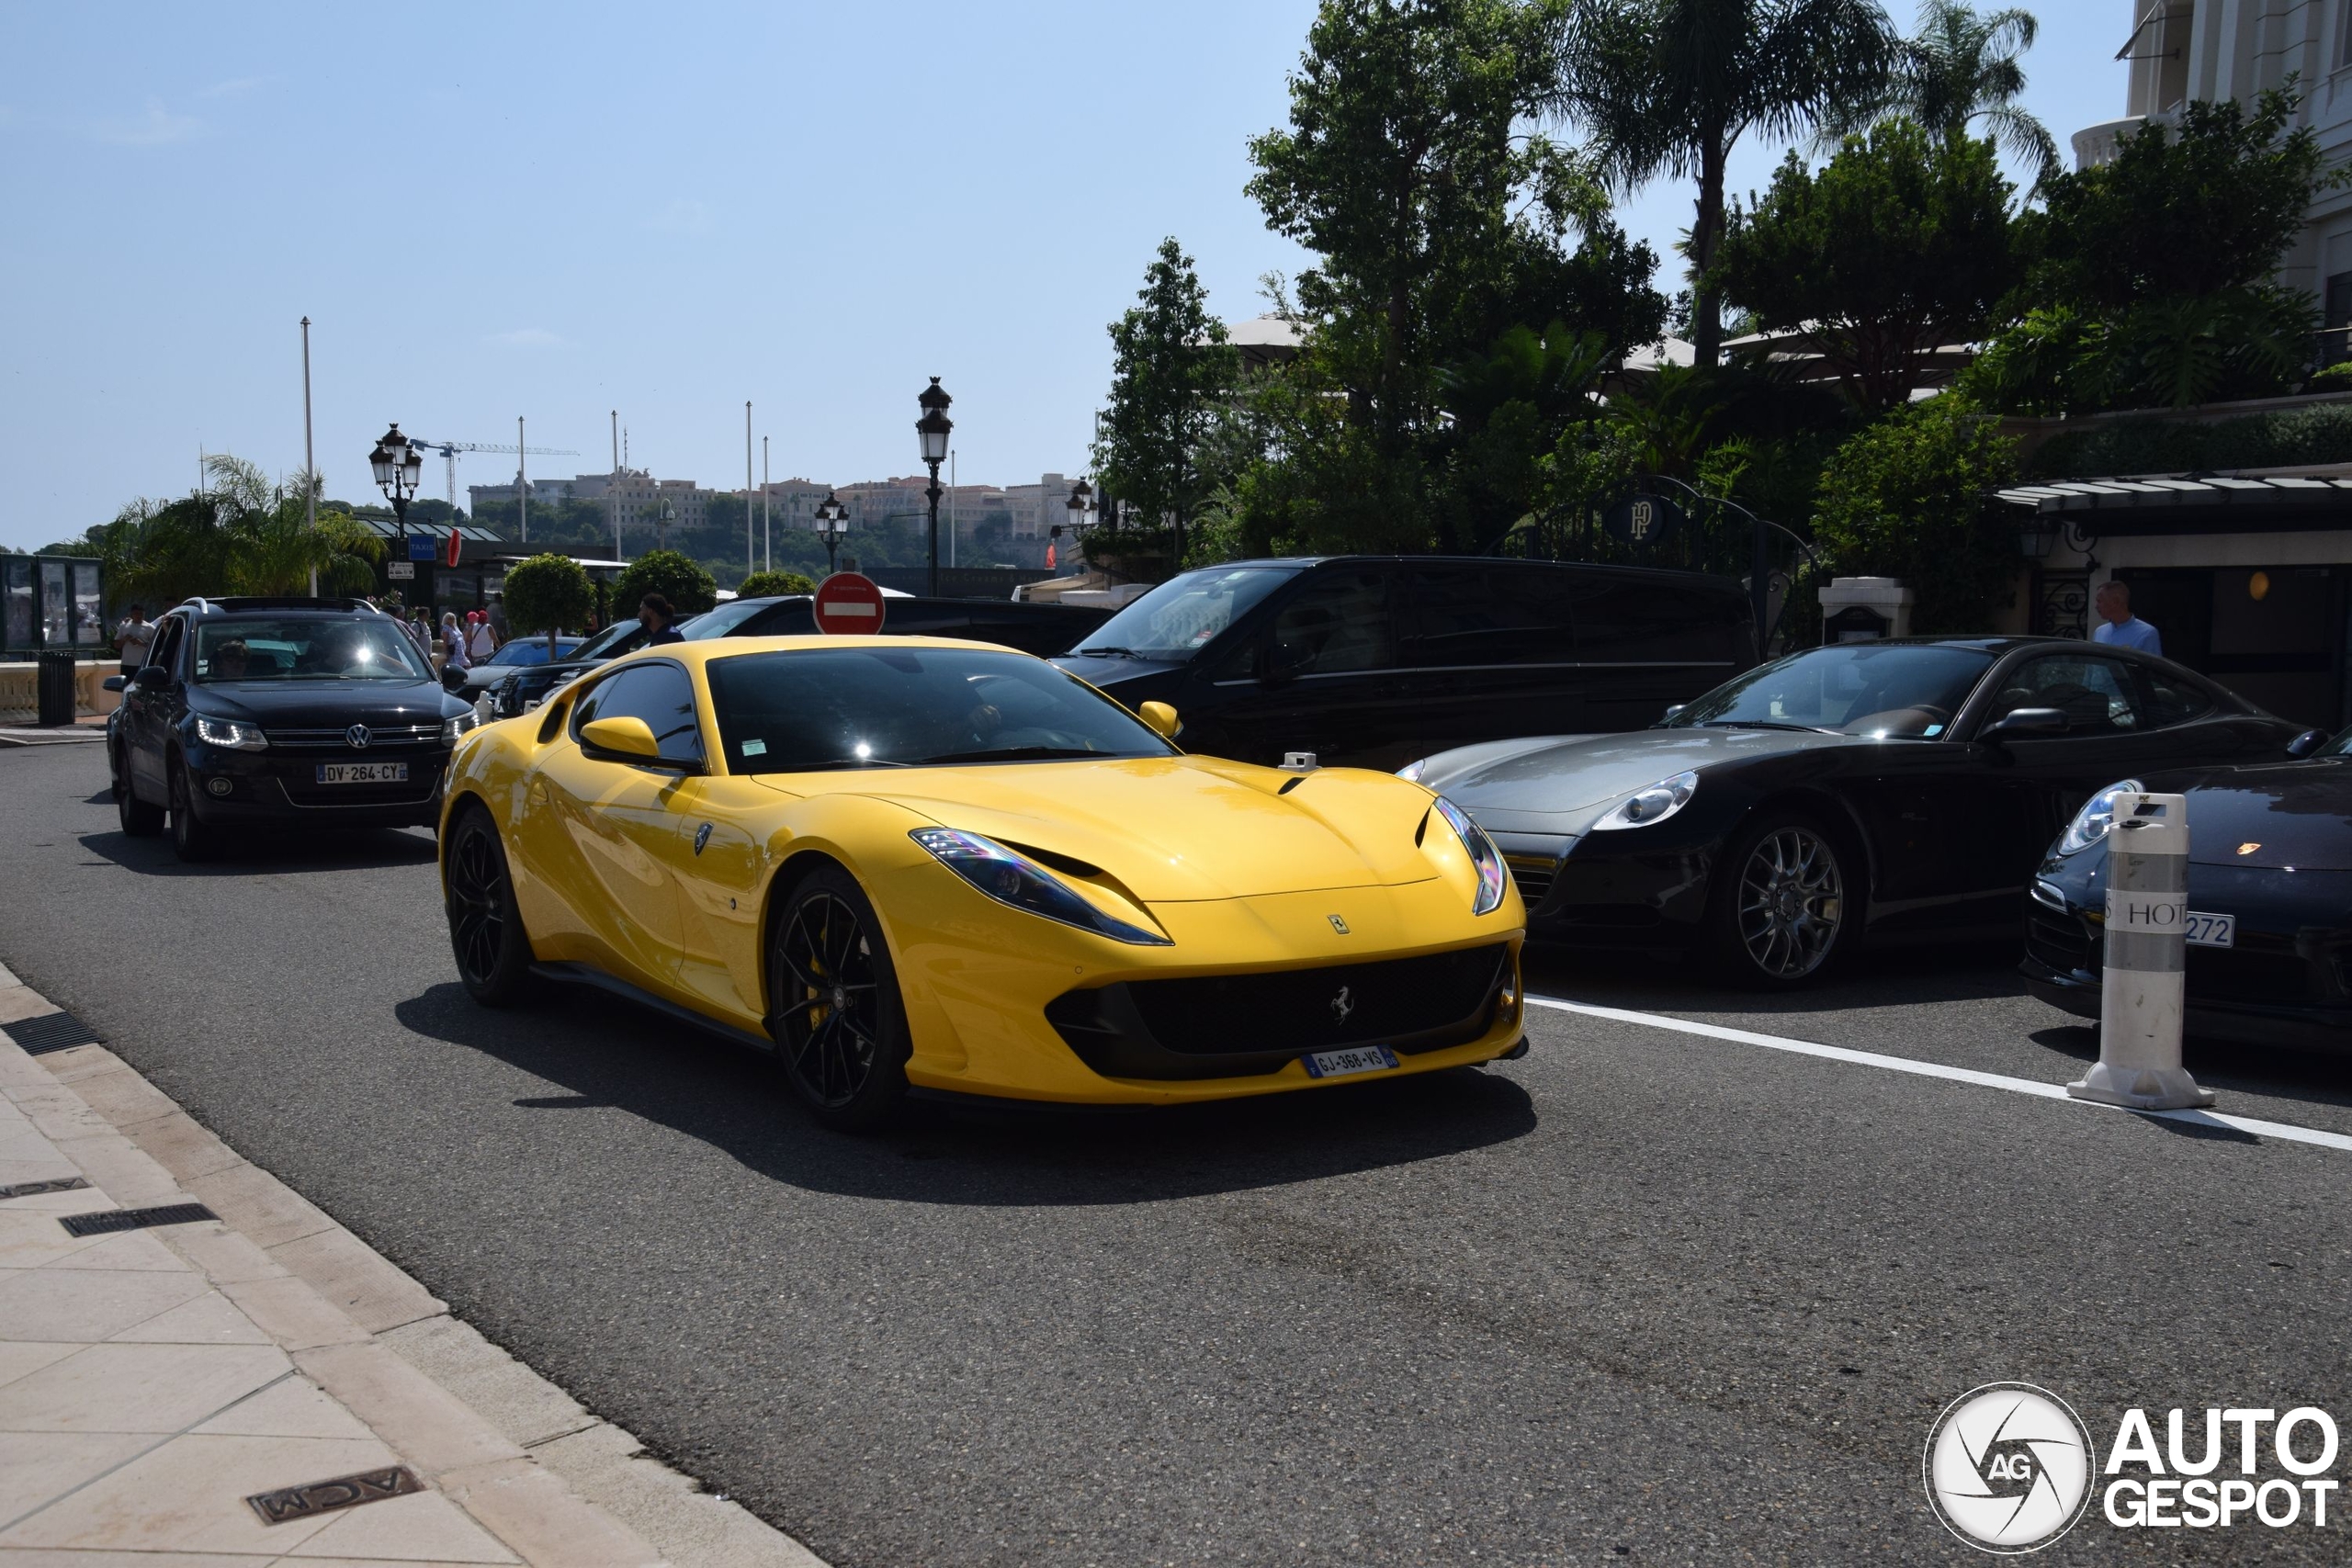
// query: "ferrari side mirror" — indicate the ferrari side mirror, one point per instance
point(2025, 724)
point(2306, 743)
point(1161, 719)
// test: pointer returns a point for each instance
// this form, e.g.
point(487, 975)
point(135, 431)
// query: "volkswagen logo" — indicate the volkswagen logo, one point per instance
point(1343, 1004)
point(356, 738)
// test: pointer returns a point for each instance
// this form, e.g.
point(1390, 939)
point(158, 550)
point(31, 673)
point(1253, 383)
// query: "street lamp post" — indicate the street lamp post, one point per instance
point(933, 427)
point(1080, 502)
point(399, 463)
point(662, 527)
point(830, 513)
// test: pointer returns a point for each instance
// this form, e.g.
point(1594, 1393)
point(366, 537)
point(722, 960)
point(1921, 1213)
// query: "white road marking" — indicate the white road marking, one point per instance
point(2285, 1131)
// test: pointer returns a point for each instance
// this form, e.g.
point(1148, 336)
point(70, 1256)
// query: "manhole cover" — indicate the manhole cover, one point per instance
point(50, 1031)
point(343, 1491)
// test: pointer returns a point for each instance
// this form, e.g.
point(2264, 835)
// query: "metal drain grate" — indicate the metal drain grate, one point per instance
point(343, 1491)
point(134, 1219)
point(50, 1031)
point(34, 1188)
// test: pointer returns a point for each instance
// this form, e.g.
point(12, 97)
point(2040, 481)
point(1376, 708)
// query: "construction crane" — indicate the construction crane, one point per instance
point(450, 450)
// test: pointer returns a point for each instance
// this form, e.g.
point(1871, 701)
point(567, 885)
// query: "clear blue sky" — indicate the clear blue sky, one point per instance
point(494, 211)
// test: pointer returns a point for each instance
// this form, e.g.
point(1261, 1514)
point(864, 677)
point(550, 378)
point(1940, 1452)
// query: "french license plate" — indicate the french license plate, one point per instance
point(2212, 931)
point(362, 773)
point(1355, 1060)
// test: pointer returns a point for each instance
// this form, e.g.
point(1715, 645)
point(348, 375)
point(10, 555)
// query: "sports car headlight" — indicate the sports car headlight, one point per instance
point(1483, 855)
point(1413, 770)
point(231, 734)
point(1011, 879)
point(1656, 803)
point(451, 729)
point(2098, 815)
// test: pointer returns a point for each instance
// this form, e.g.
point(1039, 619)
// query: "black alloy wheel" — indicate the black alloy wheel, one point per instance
point(1779, 908)
point(486, 934)
point(139, 819)
point(193, 839)
point(837, 1016)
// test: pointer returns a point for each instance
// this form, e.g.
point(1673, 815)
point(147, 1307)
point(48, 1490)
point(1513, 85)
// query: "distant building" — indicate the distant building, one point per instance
point(636, 492)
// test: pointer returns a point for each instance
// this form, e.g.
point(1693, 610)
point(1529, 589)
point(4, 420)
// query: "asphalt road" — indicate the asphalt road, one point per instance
point(1639, 1297)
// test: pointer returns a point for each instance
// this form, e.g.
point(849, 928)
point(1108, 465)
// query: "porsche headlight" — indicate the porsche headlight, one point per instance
point(1483, 855)
point(230, 734)
point(2097, 817)
point(1656, 803)
point(1011, 879)
point(1413, 770)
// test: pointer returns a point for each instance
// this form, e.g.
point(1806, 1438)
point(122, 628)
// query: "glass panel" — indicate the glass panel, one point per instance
point(1468, 616)
point(19, 591)
point(1637, 622)
point(89, 624)
point(2096, 696)
point(56, 606)
point(660, 695)
point(1343, 621)
point(1178, 618)
point(1855, 688)
point(311, 649)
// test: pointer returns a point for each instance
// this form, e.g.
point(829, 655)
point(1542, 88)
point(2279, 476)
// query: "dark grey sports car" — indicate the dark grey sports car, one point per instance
point(1871, 791)
point(2270, 892)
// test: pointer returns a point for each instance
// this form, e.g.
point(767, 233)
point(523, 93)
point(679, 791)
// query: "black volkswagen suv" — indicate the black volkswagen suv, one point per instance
point(278, 713)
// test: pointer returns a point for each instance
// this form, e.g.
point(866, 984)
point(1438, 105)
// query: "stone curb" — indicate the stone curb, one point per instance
point(561, 1486)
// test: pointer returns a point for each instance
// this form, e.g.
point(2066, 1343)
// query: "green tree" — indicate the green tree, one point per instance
point(766, 584)
point(240, 533)
point(1900, 245)
point(1173, 374)
point(547, 593)
point(678, 578)
point(1912, 497)
point(1440, 227)
point(1669, 86)
point(1961, 67)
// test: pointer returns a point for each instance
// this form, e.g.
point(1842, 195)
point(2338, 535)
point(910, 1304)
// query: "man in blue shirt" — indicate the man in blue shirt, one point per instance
point(2117, 624)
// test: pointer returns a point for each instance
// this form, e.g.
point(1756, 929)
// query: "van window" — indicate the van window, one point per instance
point(1466, 616)
point(1646, 622)
point(1343, 620)
point(1183, 614)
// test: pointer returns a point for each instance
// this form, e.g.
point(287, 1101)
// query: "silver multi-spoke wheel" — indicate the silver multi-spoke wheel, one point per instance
point(1790, 902)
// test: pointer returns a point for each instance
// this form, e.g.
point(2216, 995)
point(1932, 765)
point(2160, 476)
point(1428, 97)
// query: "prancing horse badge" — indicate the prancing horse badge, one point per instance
point(1337, 924)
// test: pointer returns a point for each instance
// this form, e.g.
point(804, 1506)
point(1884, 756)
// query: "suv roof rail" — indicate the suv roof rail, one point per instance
point(205, 606)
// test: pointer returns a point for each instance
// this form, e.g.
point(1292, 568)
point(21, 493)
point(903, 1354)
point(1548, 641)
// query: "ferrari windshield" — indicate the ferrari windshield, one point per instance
point(803, 709)
point(311, 649)
point(1178, 618)
point(1885, 690)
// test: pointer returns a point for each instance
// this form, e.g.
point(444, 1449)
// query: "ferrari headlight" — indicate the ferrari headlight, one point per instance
point(1488, 860)
point(1656, 803)
point(451, 729)
point(231, 734)
point(1011, 879)
point(2097, 817)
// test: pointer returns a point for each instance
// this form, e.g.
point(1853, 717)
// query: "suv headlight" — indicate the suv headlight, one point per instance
point(452, 728)
point(1656, 803)
point(2097, 817)
point(1487, 859)
point(230, 734)
point(1011, 879)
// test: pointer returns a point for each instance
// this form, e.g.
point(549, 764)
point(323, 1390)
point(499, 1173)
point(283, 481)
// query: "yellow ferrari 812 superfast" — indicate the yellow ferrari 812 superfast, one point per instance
point(909, 864)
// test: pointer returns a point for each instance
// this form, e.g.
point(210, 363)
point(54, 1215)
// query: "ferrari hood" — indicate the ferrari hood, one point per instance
point(1562, 782)
point(2274, 814)
point(1172, 829)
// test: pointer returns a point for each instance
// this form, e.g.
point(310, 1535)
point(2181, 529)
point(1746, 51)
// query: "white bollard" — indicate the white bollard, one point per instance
point(2141, 996)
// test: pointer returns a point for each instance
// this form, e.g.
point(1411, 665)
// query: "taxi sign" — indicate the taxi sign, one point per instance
point(848, 604)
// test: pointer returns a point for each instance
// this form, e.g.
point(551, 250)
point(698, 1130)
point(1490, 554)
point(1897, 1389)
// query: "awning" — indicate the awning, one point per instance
point(2191, 504)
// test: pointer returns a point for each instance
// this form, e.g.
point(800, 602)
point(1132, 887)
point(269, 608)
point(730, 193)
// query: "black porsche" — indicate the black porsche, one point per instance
point(2270, 892)
point(1884, 792)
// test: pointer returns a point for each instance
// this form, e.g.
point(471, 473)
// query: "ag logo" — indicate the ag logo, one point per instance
point(2009, 1467)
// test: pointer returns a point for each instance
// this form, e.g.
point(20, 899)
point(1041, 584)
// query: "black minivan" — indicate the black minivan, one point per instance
point(1374, 660)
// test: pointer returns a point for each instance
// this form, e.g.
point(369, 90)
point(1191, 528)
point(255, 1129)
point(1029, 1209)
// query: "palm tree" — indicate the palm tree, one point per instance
point(1959, 68)
point(1669, 86)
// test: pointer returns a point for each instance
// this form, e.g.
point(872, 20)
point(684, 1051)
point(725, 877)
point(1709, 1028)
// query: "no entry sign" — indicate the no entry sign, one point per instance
point(848, 604)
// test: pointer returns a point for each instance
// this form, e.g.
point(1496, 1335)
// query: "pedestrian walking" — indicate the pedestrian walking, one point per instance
point(419, 628)
point(2117, 624)
point(660, 623)
point(480, 642)
point(453, 643)
point(135, 637)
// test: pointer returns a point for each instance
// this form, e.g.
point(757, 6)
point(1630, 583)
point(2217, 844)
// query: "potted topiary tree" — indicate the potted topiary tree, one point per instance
point(547, 593)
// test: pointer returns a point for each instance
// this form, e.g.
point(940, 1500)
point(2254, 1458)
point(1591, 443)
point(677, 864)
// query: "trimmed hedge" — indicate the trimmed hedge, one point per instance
point(2287, 438)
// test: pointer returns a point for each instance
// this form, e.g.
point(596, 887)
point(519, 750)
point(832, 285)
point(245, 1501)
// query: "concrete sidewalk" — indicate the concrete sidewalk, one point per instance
point(186, 1385)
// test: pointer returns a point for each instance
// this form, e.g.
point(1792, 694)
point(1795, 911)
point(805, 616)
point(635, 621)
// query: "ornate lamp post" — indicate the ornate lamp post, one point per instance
point(662, 527)
point(1080, 503)
point(831, 513)
point(933, 427)
point(399, 463)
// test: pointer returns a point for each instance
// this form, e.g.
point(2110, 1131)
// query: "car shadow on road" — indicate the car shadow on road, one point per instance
point(732, 1099)
point(268, 854)
point(1893, 978)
